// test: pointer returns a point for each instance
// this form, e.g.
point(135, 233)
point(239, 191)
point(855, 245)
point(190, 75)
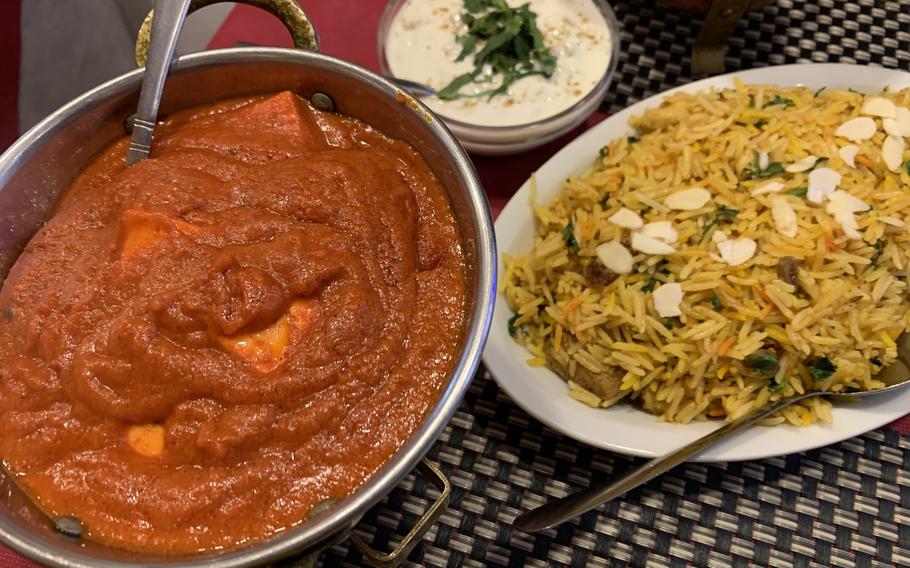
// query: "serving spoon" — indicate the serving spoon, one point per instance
point(166, 26)
point(895, 376)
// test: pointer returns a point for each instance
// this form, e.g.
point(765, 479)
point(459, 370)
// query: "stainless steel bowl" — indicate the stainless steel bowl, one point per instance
point(41, 164)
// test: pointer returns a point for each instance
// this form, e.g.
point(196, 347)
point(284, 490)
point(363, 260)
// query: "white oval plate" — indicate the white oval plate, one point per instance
point(623, 428)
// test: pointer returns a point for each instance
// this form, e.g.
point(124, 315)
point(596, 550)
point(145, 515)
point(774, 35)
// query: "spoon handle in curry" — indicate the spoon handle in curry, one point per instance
point(166, 24)
point(560, 510)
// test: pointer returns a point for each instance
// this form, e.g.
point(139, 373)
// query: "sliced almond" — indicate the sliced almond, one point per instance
point(822, 182)
point(719, 236)
point(806, 163)
point(857, 129)
point(660, 230)
point(615, 256)
point(688, 199)
point(667, 299)
point(893, 152)
point(770, 187)
point(900, 124)
point(848, 154)
point(847, 202)
point(784, 216)
point(878, 106)
point(893, 221)
point(650, 245)
point(763, 160)
point(737, 251)
point(626, 218)
point(842, 206)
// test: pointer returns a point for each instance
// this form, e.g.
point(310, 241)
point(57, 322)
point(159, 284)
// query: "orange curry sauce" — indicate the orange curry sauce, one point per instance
point(197, 350)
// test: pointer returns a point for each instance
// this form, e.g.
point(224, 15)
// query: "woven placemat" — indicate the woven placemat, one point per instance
point(843, 505)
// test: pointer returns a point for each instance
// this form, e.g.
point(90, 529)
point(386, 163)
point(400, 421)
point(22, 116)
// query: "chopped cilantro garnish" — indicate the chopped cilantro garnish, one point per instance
point(777, 387)
point(505, 42)
point(879, 249)
point(821, 368)
point(649, 286)
point(721, 215)
point(725, 213)
point(603, 152)
point(773, 168)
point(876, 361)
point(764, 365)
point(715, 301)
point(568, 233)
point(633, 139)
point(668, 323)
point(818, 92)
point(798, 191)
point(779, 100)
point(512, 329)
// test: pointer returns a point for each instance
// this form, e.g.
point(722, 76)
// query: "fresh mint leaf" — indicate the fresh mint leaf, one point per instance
point(510, 45)
point(779, 100)
point(512, 329)
point(879, 249)
point(821, 368)
point(778, 387)
point(450, 91)
point(568, 234)
point(722, 214)
point(773, 169)
point(765, 365)
point(468, 45)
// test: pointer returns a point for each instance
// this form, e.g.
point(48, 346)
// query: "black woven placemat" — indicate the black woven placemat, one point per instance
point(845, 505)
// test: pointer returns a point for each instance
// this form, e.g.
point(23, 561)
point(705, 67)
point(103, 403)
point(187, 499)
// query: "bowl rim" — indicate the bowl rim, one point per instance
point(348, 511)
point(596, 92)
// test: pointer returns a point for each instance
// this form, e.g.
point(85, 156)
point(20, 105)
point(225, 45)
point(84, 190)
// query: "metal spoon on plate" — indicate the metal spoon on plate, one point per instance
point(166, 26)
point(895, 376)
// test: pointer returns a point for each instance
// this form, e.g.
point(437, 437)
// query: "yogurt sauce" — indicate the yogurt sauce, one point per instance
point(421, 46)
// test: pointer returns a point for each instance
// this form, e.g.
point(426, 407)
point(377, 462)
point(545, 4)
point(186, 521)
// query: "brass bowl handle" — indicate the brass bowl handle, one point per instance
point(393, 559)
point(291, 15)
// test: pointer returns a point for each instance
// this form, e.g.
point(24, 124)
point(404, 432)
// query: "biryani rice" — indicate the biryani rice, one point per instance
point(848, 303)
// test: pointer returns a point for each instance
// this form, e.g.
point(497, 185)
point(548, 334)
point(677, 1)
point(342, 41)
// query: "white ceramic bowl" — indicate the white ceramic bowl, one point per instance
point(503, 140)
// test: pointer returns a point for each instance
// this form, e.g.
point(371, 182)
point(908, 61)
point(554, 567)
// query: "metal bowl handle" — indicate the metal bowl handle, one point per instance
point(381, 560)
point(291, 15)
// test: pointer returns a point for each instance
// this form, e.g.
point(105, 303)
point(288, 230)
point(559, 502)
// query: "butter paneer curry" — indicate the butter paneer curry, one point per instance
point(197, 350)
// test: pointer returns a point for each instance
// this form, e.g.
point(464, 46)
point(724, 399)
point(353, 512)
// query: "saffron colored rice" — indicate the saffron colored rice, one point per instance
point(849, 304)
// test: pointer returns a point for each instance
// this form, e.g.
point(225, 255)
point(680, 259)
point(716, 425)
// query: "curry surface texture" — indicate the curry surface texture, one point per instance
point(199, 349)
